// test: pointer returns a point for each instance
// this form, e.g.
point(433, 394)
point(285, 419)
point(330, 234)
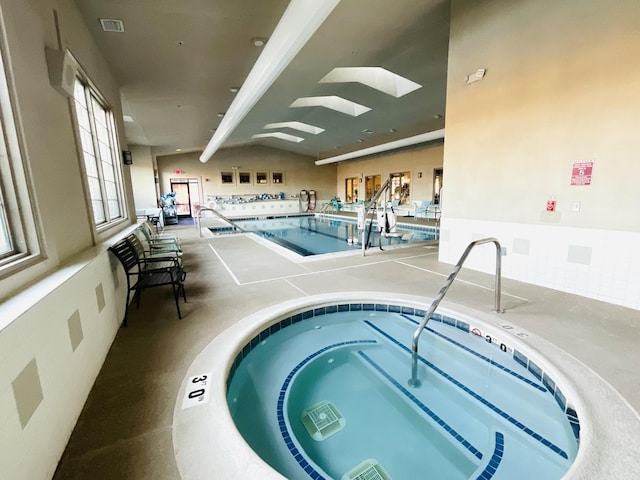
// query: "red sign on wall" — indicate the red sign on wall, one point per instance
point(551, 205)
point(581, 173)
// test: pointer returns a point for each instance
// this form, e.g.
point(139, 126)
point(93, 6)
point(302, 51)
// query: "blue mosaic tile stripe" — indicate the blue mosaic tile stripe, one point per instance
point(392, 308)
point(496, 458)
point(286, 436)
point(476, 396)
point(459, 438)
point(482, 357)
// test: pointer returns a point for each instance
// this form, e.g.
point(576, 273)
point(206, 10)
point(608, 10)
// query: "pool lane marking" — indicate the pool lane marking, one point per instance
point(482, 357)
point(284, 431)
point(441, 423)
point(461, 280)
point(475, 395)
point(328, 270)
point(495, 460)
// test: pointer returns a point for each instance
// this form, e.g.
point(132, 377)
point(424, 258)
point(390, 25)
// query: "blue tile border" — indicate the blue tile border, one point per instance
point(475, 395)
point(459, 438)
point(518, 356)
point(286, 436)
point(495, 460)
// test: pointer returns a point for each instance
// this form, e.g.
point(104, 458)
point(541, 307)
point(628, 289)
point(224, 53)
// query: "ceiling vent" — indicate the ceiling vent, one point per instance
point(112, 25)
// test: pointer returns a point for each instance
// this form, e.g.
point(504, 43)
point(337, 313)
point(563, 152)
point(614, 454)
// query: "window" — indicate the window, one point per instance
point(244, 177)
point(277, 177)
point(226, 177)
point(261, 178)
point(351, 190)
point(18, 236)
point(100, 153)
point(401, 187)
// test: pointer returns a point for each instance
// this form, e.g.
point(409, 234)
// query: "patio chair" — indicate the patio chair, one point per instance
point(421, 209)
point(143, 273)
point(160, 241)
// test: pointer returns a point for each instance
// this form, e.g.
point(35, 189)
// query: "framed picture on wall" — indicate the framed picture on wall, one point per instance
point(277, 178)
point(227, 177)
point(262, 178)
point(244, 178)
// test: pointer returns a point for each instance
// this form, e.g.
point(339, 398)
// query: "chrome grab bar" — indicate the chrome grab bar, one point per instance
point(413, 381)
point(207, 209)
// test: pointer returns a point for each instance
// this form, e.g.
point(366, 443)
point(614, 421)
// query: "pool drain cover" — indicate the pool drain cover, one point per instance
point(370, 469)
point(322, 420)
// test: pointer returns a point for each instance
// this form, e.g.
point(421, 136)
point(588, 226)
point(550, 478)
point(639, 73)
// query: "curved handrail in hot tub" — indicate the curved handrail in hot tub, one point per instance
point(413, 381)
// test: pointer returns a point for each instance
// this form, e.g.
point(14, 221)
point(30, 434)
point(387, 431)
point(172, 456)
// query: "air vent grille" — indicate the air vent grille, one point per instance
point(112, 25)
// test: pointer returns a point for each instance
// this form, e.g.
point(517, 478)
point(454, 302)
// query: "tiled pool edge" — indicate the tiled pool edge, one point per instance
point(522, 359)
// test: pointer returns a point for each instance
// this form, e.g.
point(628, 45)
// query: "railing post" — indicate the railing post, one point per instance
point(413, 381)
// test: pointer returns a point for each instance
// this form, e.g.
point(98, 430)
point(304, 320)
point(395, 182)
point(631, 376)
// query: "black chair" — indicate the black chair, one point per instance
point(143, 273)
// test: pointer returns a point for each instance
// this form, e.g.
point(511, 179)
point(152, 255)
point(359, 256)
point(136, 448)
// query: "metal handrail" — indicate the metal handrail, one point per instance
point(413, 381)
point(372, 206)
point(207, 209)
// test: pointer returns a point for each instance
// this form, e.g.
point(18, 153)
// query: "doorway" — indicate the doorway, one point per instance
point(401, 187)
point(187, 196)
point(351, 190)
point(372, 185)
point(437, 185)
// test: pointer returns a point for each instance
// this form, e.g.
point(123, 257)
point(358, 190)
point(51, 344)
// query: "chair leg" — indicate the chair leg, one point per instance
point(176, 297)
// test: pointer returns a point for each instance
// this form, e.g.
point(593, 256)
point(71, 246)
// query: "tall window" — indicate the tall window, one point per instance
point(18, 236)
point(100, 154)
point(401, 187)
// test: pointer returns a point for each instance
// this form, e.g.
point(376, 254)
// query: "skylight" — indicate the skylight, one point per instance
point(303, 127)
point(332, 102)
point(374, 77)
point(280, 135)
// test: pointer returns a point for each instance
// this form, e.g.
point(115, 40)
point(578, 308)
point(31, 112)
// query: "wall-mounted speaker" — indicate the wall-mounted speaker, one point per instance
point(62, 71)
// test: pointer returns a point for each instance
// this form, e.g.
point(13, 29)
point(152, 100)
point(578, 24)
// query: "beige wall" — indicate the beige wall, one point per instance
point(300, 171)
point(561, 86)
point(422, 159)
point(58, 317)
point(143, 177)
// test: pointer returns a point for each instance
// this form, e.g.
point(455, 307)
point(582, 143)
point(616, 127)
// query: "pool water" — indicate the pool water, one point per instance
point(316, 234)
point(328, 397)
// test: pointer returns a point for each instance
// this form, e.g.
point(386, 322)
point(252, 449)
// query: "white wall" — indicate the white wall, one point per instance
point(142, 177)
point(561, 86)
point(58, 317)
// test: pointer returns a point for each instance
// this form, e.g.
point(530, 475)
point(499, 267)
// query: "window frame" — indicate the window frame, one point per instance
point(19, 218)
point(91, 97)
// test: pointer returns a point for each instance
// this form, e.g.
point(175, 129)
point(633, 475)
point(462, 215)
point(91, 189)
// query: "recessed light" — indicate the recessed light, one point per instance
point(127, 118)
point(258, 41)
point(367, 130)
point(234, 89)
point(360, 140)
point(180, 43)
point(221, 114)
point(392, 130)
point(437, 115)
point(212, 130)
point(178, 149)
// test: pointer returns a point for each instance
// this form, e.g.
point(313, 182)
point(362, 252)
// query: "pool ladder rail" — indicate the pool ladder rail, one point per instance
point(414, 381)
point(218, 214)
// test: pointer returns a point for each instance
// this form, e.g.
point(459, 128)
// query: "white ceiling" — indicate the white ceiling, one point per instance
point(177, 60)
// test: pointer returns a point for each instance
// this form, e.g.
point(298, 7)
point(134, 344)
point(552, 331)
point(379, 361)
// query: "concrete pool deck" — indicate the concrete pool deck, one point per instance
point(127, 426)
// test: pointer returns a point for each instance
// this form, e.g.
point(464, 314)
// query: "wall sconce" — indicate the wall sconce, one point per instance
point(419, 174)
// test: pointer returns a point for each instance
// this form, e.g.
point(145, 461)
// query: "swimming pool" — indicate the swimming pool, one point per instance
point(324, 394)
point(207, 443)
point(318, 234)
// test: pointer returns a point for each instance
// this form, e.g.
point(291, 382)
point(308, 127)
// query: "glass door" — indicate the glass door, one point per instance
point(401, 187)
point(351, 188)
point(187, 196)
point(372, 184)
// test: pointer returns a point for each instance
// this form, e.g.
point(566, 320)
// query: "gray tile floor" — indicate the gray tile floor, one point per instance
point(125, 429)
